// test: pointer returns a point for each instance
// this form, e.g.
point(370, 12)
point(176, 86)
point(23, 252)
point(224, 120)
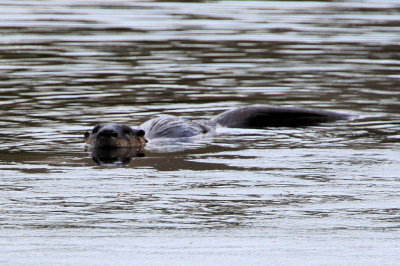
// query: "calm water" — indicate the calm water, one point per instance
point(324, 195)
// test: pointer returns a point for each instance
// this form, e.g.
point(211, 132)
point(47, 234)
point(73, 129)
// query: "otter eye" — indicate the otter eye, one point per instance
point(86, 135)
point(95, 129)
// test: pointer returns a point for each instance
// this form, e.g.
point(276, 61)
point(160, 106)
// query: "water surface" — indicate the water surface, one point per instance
point(327, 194)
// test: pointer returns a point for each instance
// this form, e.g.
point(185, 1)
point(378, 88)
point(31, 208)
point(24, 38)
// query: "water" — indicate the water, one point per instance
point(321, 195)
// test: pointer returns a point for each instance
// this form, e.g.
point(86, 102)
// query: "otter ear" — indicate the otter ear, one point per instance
point(139, 133)
point(87, 134)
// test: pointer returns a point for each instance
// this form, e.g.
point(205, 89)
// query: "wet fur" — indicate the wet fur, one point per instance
point(262, 116)
point(166, 126)
point(115, 136)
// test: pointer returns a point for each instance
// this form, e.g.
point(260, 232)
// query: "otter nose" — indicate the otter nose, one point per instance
point(108, 133)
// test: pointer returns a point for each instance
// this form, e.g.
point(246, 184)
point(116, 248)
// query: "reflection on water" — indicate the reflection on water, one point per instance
point(66, 66)
point(116, 156)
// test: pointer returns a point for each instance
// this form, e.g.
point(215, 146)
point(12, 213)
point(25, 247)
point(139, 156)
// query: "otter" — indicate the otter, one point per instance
point(107, 136)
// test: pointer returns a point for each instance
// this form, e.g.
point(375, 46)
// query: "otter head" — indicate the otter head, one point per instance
point(115, 136)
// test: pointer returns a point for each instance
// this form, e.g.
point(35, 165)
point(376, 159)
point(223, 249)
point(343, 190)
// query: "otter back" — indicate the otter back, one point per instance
point(168, 126)
point(262, 116)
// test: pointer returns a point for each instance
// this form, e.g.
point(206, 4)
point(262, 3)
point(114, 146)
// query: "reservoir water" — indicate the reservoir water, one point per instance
point(322, 195)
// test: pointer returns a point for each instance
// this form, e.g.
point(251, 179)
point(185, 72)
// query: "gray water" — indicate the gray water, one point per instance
point(323, 195)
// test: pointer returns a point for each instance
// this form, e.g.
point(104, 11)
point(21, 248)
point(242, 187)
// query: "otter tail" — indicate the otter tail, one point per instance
point(262, 116)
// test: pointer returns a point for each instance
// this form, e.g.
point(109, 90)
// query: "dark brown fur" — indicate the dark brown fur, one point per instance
point(115, 136)
point(259, 116)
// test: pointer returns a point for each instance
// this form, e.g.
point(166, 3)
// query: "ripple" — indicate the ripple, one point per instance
point(67, 66)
